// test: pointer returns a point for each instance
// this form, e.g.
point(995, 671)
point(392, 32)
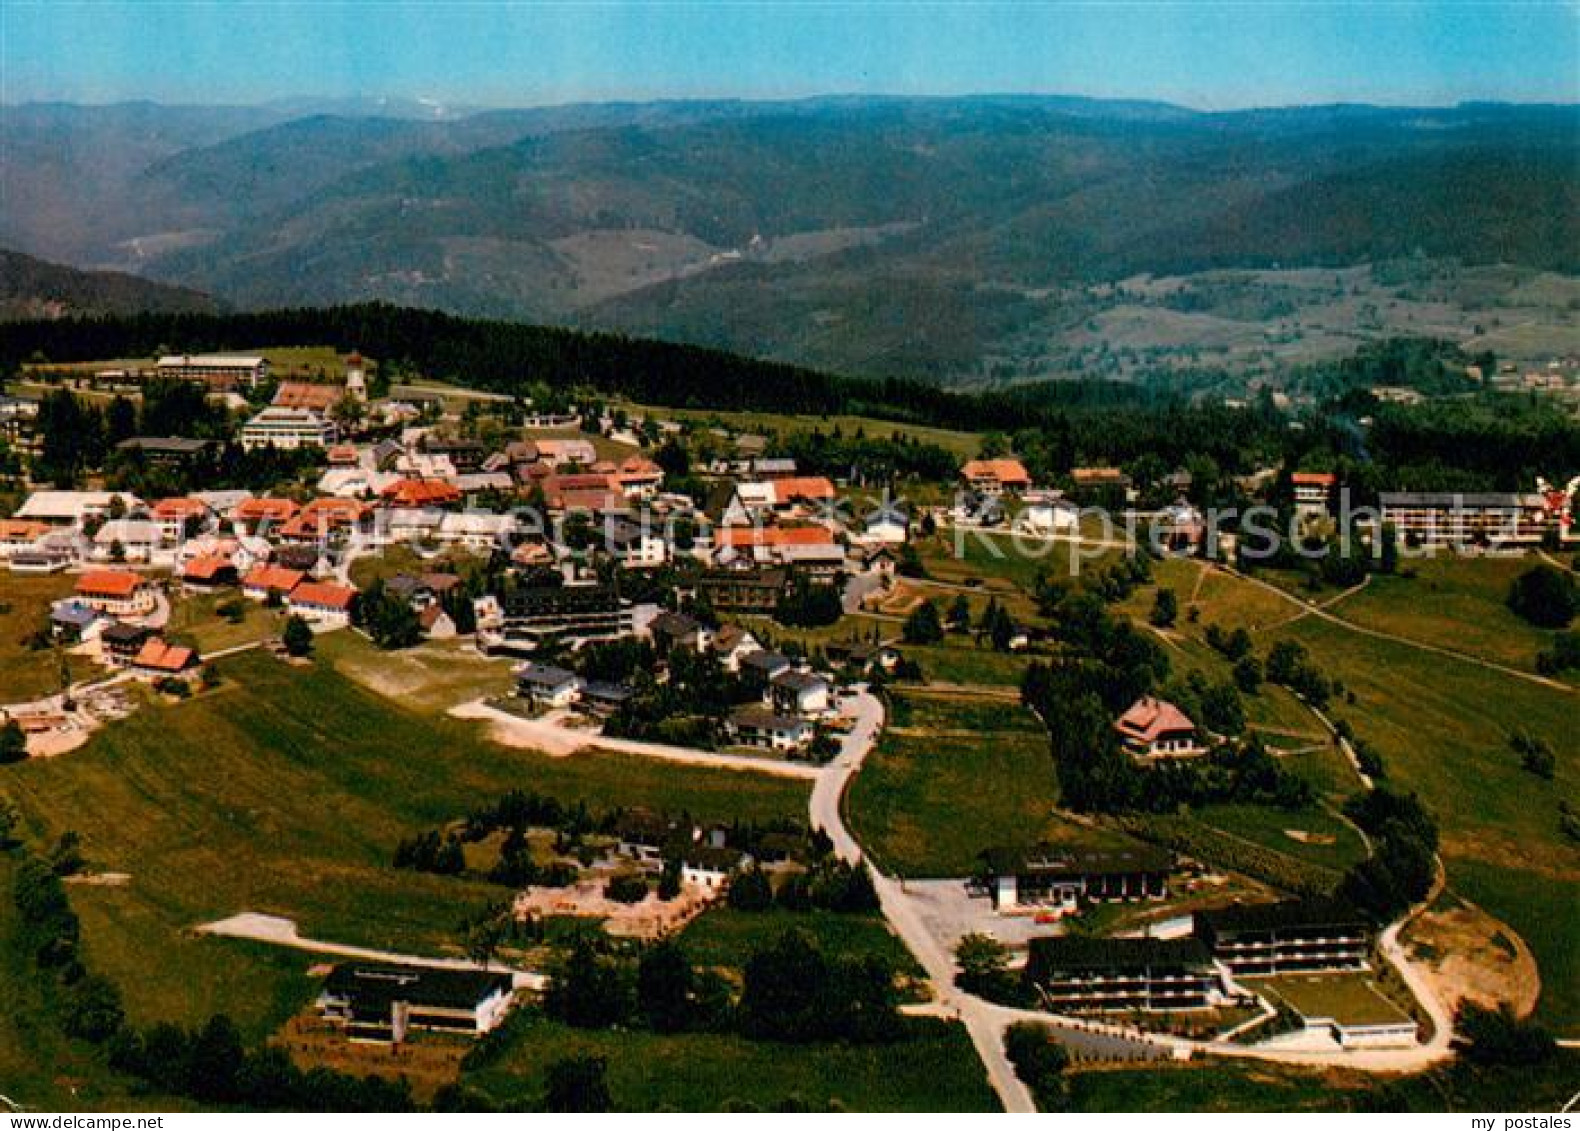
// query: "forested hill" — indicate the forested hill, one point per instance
point(1474, 441)
point(954, 238)
point(32, 288)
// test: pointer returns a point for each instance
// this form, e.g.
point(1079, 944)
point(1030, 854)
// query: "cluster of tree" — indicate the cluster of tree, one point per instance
point(1497, 1036)
point(1403, 864)
point(389, 620)
point(860, 458)
point(1562, 657)
point(77, 436)
point(13, 743)
point(430, 852)
point(1545, 596)
point(687, 709)
point(209, 1064)
point(1039, 1061)
point(808, 604)
point(1235, 646)
point(1536, 753)
point(297, 636)
point(829, 884)
point(923, 625)
point(995, 627)
point(791, 991)
point(212, 1065)
point(1290, 665)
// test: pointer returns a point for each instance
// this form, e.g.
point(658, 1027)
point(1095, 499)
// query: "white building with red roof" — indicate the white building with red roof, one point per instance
point(1154, 729)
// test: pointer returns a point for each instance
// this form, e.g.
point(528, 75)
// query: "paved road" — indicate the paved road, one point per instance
point(279, 931)
point(985, 1028)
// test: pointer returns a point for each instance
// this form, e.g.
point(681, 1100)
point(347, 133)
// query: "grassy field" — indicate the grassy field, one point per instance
point(966, 445)
point(24, 609)
point(959, 660)
point(1216, 1084)
point(934, 1068)
point(950, 778)
point(192, 618)
point(1441, 727)
point(286, 792)
point(726, 938)
point(1328, 841)
point(1454, 603)
point(430, 678)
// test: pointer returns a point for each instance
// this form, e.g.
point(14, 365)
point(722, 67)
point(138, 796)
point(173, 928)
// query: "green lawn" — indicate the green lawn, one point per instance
point(1217, 1084)
point(1349, 999)
point(430, 678)
point(286, 791)
point(934, 1068)
point(1453, 603)
point(725, 937)
point(959, 660)
point(24, 609)
point(1271, 828)
point(193, 618)
point(1441, 726)
point(950, 778)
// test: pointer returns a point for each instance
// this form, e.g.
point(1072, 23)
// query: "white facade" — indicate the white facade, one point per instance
point(287, 429)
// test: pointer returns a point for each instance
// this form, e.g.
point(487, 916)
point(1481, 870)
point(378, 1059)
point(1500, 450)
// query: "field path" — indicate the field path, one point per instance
point(1321, 613)
point(547, 735)
point(278, 931)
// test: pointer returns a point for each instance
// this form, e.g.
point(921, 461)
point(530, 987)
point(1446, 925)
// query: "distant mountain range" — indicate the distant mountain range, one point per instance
point(878, 235)
point(32, 288)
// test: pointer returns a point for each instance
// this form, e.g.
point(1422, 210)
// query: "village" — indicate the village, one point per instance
point(590, 579)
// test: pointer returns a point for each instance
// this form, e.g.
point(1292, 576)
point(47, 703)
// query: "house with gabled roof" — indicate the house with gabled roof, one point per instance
point(120, 593)
point(322, 601)
point(1154, 729)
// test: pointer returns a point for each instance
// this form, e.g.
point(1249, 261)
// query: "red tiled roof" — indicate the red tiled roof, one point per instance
point(739, 537)
point(179, 508)
point(421, 493)
point(254, 510)
point(1313, 479)
point(205, 567)
point(302, 394)
point(22, 530)
point(323, 594)
point(812, 487)
point(1150, 719)
point(275, 578)
point(109, 583)
point(1004, 471)
point(156, 655)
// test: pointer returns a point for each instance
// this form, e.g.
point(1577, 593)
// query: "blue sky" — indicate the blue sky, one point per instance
point(1207, 54)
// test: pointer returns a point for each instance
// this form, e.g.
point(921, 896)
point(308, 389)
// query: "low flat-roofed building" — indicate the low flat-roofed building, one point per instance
point(1081, 973)
point(1466, 520)
point(222, 372)
point(384, 1003)
point(72, 508)
point(1059, 878)
point(1294, 936)
point(535, 614)
point(167, 451)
